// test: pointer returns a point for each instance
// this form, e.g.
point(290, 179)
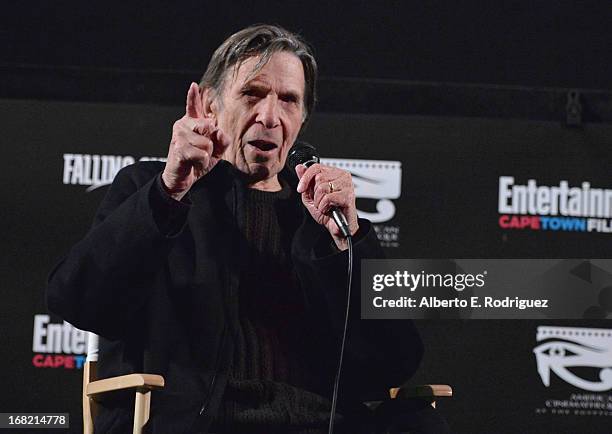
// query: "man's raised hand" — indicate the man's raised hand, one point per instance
point(195, 147)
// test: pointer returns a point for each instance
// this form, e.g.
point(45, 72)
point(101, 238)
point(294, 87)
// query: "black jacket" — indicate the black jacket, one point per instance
point(158, 280)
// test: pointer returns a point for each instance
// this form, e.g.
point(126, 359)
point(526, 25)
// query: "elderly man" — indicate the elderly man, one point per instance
point(210, 271)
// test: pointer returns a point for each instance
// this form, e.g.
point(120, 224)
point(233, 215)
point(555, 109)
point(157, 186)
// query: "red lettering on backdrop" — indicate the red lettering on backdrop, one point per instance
point(503, 221)
point(519, 222)
point(36, 360)
point(53, 361)
point(69, 362)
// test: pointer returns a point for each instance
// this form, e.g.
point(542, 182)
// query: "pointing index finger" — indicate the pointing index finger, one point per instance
point(193, 96)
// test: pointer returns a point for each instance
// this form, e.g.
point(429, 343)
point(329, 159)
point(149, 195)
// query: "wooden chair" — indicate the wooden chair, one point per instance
point(93, 390)
point(427, 392)
point(143, 384)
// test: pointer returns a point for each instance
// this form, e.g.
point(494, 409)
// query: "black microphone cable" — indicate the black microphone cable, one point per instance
point(306, 154)
point(349, 240)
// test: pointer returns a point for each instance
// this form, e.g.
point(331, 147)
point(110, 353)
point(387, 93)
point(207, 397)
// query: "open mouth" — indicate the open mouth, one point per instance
point(263, 145)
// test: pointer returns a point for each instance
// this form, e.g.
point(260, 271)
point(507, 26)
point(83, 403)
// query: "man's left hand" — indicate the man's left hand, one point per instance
point(323, 187)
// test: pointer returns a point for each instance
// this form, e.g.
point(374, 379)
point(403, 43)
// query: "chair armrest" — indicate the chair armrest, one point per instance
point(123, 382)
point(426, 391)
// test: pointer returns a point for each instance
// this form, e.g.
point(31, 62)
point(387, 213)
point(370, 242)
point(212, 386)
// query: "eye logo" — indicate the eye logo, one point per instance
point(573, 347)
point(374, 179)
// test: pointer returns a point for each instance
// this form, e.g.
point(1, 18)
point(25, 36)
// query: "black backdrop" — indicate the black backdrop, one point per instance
point(447, 208)
point(460, 94)
point(553, 43)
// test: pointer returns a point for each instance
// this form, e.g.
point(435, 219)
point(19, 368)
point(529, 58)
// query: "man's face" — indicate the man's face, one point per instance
point(262, 115)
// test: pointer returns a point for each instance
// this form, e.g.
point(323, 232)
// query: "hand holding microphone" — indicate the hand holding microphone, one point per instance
point(327, 193)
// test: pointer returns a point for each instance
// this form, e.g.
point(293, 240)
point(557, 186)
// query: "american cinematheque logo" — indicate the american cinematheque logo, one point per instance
point(562, 207)
point(582, 358)
point(380, 182)
point(377, 181)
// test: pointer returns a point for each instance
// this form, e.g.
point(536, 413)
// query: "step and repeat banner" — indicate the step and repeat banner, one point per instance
point(433, 187)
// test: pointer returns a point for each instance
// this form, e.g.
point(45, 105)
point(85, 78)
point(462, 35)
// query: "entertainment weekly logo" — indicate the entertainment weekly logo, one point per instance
point(57, 345)
point(375, 180)
point(554, 208)
point(582, 358)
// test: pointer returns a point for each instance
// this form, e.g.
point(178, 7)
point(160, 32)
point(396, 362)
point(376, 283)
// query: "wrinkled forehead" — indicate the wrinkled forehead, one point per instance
point(246, 69)
point(250, 68)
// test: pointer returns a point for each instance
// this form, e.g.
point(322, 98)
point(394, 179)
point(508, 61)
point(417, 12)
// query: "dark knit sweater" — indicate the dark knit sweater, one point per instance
point(272, 386)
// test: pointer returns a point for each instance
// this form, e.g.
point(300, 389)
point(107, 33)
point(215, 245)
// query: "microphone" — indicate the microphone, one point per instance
point(306, 154)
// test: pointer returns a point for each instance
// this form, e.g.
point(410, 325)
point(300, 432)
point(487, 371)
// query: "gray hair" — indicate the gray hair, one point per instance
point(261, 40)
